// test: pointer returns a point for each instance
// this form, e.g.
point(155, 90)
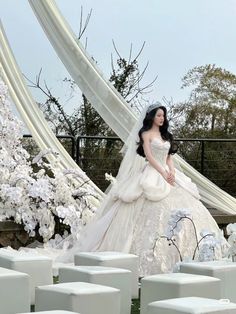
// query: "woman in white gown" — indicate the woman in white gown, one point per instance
point(138, 207)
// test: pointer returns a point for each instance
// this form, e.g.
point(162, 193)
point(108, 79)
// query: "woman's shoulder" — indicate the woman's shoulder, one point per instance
point(146, 134)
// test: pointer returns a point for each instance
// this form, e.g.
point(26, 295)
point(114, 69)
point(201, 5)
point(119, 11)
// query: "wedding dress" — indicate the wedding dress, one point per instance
point(137, 212)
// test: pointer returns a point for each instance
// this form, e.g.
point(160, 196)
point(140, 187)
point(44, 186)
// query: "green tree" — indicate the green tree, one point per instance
point(210, 112)
point(211, 108)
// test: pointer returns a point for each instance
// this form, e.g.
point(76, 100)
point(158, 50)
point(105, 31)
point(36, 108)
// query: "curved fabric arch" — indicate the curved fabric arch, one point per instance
point(108, 103)
point(31, 114)
point(86, 74)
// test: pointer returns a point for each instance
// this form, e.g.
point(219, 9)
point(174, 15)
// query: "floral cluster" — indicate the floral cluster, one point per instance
point(110, 178)
point(208, 246)
point(34, 192)
point(205, 246)
point(175, 222)
point(231, 232)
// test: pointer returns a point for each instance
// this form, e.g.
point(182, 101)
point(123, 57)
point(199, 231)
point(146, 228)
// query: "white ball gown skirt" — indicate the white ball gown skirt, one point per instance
point(136, 216)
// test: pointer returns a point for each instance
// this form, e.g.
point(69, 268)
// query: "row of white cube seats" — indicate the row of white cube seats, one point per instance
point(73, 296)
point(209, 285)
point(191, 305)
point(173, 293)
point(122, 279)
point(81, 296)
point(156, 287)
point(53, 312)
point(179, 306)
point(40, 268)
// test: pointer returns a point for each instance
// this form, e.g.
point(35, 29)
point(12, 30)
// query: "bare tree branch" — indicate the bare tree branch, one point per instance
point(140, 51)
point(130, 53)
point(116, 50)
point(82, 28)
point(52, 100)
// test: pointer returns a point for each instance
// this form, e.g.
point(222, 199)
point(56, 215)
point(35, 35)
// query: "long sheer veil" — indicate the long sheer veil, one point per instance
point(91, 235)
point(132, 163)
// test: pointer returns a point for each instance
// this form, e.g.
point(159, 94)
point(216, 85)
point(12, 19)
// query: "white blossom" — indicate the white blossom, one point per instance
point(110, 178)
point(176, 220)
point(231, 228)
point(207, 246)
point(41, 188)
point(205, 233)
point(232, 242)
point(38, 159)
point(15, 194)
point(34, 197)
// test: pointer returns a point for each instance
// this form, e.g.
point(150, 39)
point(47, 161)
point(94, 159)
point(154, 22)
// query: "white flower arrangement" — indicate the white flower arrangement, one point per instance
point(205, 246)
point(231, 232)
point(35, 197)
point(208, 246)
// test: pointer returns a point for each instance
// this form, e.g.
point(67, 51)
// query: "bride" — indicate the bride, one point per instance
point(137, 211)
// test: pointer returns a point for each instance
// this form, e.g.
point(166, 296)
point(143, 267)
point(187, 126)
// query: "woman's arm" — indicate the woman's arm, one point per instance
point(170, 164)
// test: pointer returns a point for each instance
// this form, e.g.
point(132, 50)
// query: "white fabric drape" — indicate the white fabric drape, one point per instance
point(31, 114)
point(210, 193)
point(103, 96)
point(109, 104)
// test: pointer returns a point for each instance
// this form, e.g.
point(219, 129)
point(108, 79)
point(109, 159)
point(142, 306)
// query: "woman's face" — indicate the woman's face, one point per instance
point(159, 117)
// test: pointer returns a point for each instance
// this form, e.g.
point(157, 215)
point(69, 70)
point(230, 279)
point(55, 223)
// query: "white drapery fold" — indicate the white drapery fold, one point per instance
point(210, 193)
point(32, 116)
point(108, 103)
point(103, 96)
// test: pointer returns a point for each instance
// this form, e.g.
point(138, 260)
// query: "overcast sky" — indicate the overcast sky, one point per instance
point(179, 35)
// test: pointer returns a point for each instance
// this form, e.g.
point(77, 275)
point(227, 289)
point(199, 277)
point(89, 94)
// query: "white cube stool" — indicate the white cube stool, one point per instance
point(191, 305)
point(38, 267)
point(14, 291)
point(57, 265)
point(112, 259)
point(113, 277)
point(81, 297)
point(177, 285)
point(52, 312)
point(224, 270)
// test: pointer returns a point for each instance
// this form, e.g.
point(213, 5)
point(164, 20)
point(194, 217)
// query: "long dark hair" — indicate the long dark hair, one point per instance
point(165, 134)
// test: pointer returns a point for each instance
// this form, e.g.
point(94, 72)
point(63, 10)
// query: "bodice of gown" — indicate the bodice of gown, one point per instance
point(154, 186)
point(160, 151)
point(147, 182)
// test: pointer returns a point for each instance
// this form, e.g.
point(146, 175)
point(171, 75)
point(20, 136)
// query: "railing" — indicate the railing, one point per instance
point(71, 148)
point(203, 143)
point(80, 139)
point(214, 158)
